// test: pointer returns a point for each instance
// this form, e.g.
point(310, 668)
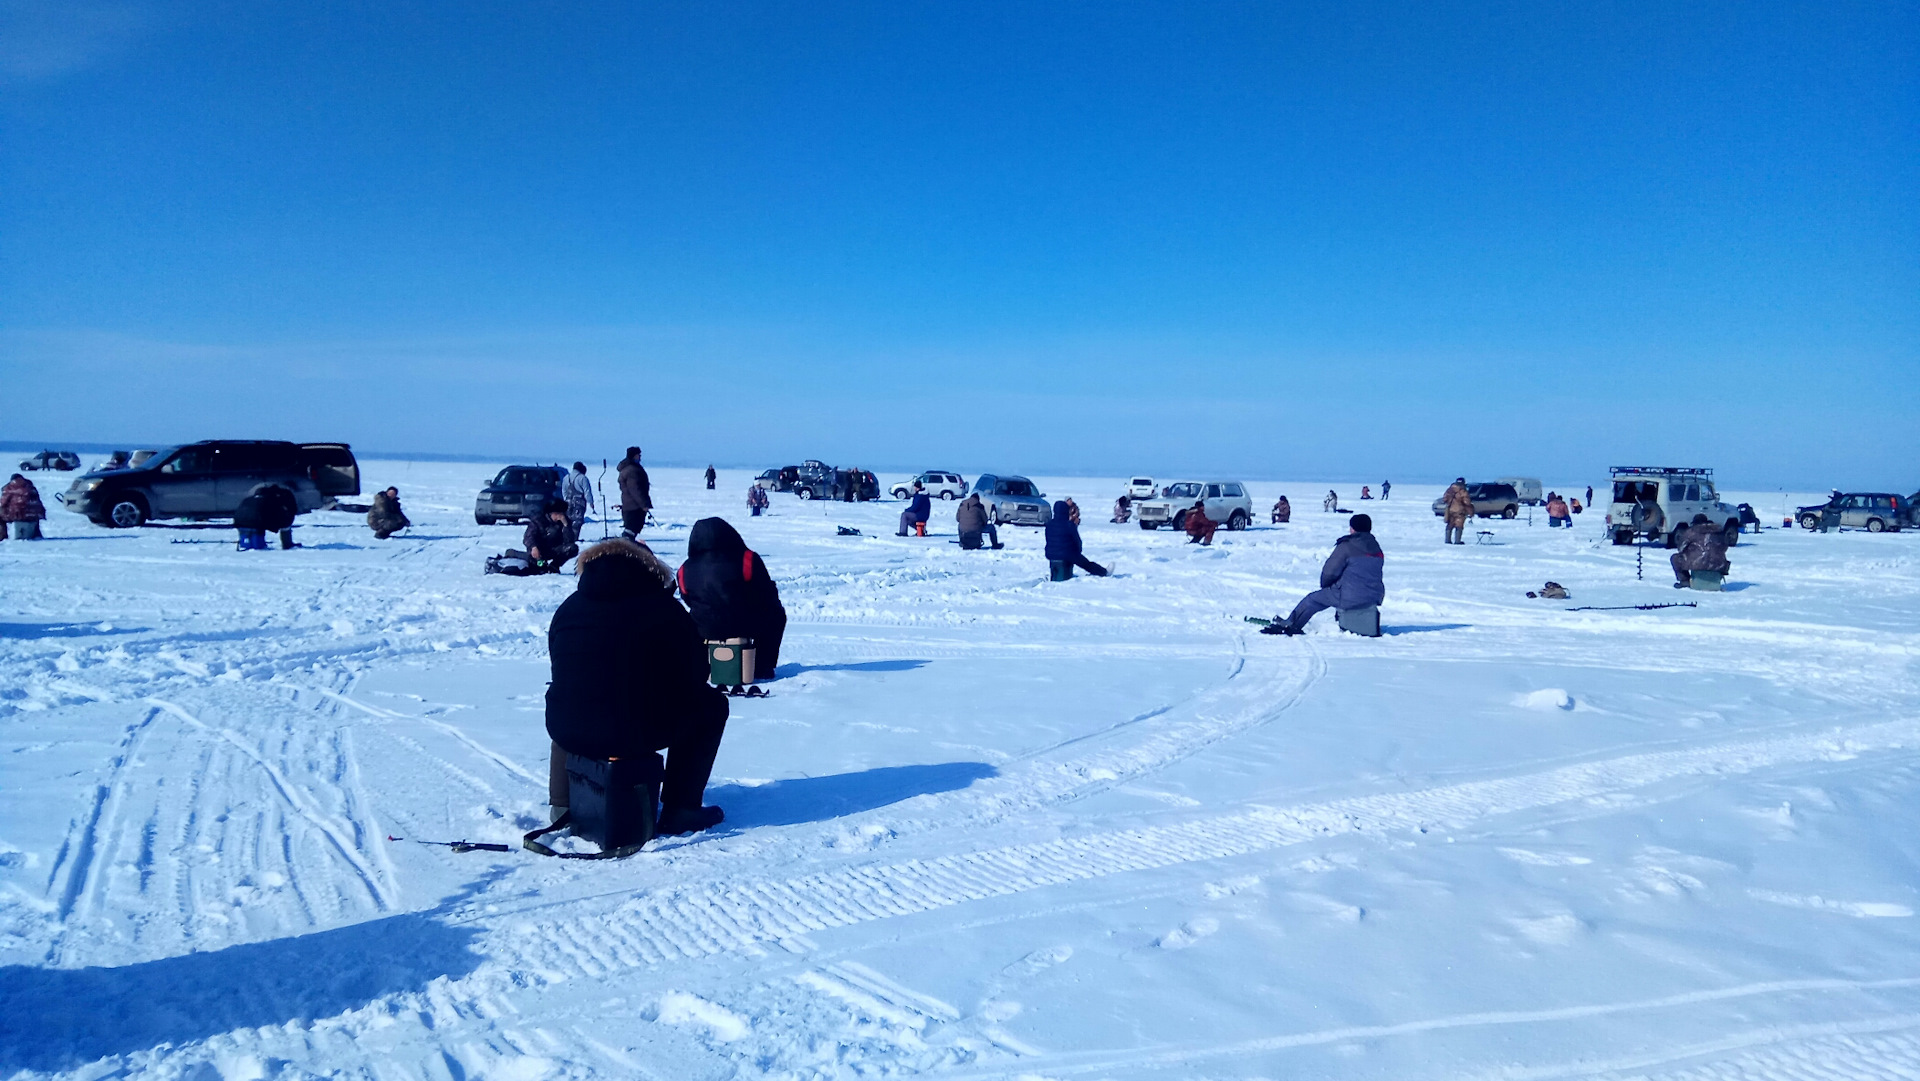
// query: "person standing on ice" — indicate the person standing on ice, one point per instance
point(730, 593)
point(1557, 513)
point(756, 499)
point(711, 477)
point(636, 494)
point(21, 511)
point(919, 509)
point(1352, 577)
point(630, 677)
point(1063, 546)
point(577, 490)
point(1457, 506)
point(1386, 488)
point(1332, 501)
point(386, 518)
point(971, 517)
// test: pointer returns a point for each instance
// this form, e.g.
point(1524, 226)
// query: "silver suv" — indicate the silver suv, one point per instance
point(1491, 499)
point(1875, 512)
point(1227, 503)
point(1012, 500)
point(1658, 502)
point(938, 483)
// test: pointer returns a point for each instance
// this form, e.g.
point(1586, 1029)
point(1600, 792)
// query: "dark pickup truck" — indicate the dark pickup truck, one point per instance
point(208, 479)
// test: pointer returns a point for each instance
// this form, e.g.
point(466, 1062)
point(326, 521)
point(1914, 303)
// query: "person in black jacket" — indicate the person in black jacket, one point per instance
point(1063, 546)
point(630, 676)
point(731, 595)
point(269, 510)
point(549, 538)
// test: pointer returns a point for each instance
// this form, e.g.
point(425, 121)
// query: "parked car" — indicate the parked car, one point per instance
point(1141, 488)
point(208, 479)
point(781, 479)
point(62, 460)
point(940, 484)
point(1677, 493)
point(517, 493)
point(1912, 506)
point(1528, 489)
point(1875, 512)
point(1491, 499)
point(1227, 503)
point(869, 490)
point(1012, 500)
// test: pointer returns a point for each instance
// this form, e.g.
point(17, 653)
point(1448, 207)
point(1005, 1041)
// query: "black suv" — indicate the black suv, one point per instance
point(517, 493)
point(208, 479)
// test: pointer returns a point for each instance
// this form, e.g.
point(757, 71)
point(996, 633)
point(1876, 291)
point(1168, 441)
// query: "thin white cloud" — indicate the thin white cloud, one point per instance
point(48, 39)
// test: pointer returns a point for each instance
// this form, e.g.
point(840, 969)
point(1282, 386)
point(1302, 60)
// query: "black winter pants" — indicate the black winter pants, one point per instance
point(691, 747)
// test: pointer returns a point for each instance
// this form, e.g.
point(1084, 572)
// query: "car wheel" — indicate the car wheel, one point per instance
point(1731, 531)
point(481, 519)
point(128, 513)
point(1144, 524)
point(1875, 525)
point(1622, 537)
point(1510, 513)
point(1180, 522)
point(1809, 521)
point(948, 494)
point(804, 493)
point(899, 493)
point(1237, 520)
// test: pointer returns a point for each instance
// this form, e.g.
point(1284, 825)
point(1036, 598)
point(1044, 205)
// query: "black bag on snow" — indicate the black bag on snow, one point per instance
point(615, 804)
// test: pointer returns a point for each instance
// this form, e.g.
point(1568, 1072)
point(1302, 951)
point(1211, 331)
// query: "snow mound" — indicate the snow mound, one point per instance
point(1547, 698)
point(692, 1011)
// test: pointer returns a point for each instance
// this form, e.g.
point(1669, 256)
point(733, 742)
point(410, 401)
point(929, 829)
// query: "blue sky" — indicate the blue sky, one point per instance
point(1346, 241)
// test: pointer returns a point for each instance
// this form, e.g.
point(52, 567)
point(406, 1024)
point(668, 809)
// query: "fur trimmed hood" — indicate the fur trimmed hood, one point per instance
point(626, 549)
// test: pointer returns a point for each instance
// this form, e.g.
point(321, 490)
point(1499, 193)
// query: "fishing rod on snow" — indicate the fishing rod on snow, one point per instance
point(459, 846)
point(1635, 607)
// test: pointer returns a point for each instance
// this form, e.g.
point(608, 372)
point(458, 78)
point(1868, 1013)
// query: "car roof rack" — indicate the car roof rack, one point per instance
point(1663, 469)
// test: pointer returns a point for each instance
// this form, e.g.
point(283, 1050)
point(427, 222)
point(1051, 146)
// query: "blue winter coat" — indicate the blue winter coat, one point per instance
point(1355, 572)
point(922, 507)
point(1063, 537)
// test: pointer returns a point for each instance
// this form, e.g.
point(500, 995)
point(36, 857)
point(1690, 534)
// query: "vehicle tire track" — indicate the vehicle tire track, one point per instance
point(687, 923)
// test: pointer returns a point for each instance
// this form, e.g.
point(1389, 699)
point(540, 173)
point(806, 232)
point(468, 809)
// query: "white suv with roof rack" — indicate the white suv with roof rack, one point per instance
point(1660, 501)
point(1227, 503)
point(939, 483)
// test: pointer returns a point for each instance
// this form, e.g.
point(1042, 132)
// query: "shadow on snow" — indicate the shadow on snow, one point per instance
point(786, 670)
point(60, 630)
point(816, 799)
point(1423, 628)
point(58, 1018)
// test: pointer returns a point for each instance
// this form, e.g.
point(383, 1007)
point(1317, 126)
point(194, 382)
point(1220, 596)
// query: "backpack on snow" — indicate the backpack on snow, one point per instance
point(512, 562)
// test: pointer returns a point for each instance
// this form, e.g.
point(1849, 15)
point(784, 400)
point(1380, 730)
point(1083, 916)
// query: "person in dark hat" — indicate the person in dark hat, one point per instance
point(549, 538)
point(1352, 577)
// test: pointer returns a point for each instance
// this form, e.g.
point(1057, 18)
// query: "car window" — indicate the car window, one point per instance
point(1183, 490)
point(1141, 482)
point(1213, 491)
point(985, 484)
point(1232, 490)
point(190, 460)
point(1015, 487)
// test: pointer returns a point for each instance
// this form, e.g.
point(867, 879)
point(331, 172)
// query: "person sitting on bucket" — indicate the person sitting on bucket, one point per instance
point(629, 677)
point(1282, 511)
point(1063, 546)
point(917, 512)
point(1703, 547)
point(1352, 577)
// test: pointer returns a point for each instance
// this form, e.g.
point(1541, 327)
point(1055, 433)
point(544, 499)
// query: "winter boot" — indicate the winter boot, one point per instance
point(675, 820)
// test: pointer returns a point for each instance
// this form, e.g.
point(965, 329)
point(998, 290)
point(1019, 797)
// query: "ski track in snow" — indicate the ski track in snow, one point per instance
point(234, 805)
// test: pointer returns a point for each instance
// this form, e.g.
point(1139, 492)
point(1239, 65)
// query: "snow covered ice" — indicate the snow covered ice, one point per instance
point(986, 825)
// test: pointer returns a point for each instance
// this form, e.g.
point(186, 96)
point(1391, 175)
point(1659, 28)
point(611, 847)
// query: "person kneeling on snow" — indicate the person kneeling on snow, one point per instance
point(730, 593)
point(630, 677)
point(971, 517)
point(386, 518)
point(1282, 511)
point(1703, 547)
point(917, 512)
point(1352, 577)
point(549, 539)
point(1063, 546)
point(1200, 528)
